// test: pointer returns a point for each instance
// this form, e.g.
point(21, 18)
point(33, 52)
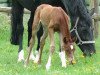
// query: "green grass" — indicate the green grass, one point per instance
point(8, 56)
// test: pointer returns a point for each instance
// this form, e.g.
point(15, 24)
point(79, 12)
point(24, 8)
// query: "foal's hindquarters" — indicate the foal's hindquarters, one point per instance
point(52, 19)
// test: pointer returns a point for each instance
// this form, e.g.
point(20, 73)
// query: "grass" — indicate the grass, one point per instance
point(8, 56)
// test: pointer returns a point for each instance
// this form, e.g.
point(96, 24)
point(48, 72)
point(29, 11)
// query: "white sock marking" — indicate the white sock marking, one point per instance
point(71, 46)
point(63, 59)
point(20, 56)
point(48, 63)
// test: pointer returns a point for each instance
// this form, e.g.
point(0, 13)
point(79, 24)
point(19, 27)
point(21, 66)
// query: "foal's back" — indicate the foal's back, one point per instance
point(52, 16)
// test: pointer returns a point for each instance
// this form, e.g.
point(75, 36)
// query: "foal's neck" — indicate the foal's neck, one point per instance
point(64, 28)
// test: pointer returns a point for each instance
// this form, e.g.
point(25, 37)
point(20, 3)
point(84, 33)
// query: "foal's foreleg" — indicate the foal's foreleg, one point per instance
point(52, 48)
point(62, 53)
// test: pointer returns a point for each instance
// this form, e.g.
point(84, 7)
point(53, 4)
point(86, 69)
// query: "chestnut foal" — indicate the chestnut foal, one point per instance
point(52, 19)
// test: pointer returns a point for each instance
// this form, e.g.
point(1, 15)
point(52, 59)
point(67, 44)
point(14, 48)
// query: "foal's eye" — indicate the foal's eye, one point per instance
point(71, 46)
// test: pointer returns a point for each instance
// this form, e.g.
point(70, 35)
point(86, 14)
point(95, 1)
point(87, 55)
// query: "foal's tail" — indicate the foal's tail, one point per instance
point(16, 22)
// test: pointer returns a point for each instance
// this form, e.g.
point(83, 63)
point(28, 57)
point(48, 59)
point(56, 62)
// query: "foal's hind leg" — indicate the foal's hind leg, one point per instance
point(30, 22)
point(42, 42)
point(39, 35)
point(35, 28)
point(32, 41)
point(52, 47)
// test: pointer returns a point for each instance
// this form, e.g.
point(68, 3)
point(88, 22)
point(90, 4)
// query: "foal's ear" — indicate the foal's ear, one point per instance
point(65, 40)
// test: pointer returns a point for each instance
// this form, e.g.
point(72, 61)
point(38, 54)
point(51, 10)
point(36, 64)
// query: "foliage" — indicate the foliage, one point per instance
point(8, 56)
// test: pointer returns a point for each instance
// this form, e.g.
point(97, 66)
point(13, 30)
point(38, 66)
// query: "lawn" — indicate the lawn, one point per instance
point(8, 56)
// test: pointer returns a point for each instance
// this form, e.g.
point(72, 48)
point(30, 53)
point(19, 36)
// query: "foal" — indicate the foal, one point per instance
point(52, 19)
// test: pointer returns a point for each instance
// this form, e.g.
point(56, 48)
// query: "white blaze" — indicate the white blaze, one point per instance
point(71, 46)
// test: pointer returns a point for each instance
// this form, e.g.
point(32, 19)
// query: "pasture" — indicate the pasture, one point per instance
point(8, 56)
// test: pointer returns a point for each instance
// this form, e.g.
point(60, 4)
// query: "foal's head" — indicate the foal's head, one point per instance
point(69, 49)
